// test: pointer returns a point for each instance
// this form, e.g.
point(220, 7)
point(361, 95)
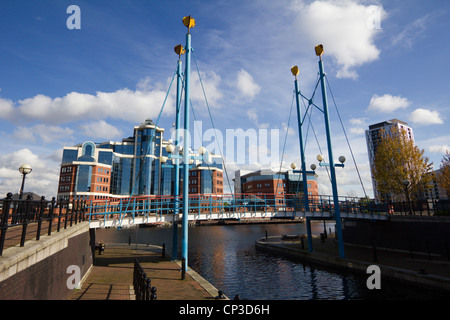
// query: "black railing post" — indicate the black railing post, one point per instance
point(71, 211)
point(83, 209)
point(40, 216)
point(142, 284)
point(50, 215)
point(147, 288)
point(77, 211)
point(25, 220)
point(66, 214)
point(153, 295)
point(59, 215)
point(4, 221)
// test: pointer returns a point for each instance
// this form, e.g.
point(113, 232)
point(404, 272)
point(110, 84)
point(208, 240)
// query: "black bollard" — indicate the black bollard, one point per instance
point(164, 250)
point(220, 295)
point(183, 268)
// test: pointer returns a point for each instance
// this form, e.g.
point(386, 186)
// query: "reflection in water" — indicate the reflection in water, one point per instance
point(226, 257)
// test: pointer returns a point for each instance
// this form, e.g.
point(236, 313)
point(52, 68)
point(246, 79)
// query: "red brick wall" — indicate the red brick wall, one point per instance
point(46, 280)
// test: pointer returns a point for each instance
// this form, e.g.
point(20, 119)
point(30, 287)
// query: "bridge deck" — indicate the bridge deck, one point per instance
point(118, 220)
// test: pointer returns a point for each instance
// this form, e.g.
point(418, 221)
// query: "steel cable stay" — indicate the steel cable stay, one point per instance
point(346, 137)
point(212, 122)
point(285, 137)
point(312, 128)
point(122, 215)
point(200, 136)
point(198, 132)
point(308, 113)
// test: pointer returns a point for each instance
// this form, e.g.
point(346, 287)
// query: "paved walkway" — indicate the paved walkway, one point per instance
point(111, 278)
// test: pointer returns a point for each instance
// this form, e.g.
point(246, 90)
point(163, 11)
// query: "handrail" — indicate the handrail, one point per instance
point(19, 214)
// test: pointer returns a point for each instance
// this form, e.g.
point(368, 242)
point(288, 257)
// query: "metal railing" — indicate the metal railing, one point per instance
point(234, 205)
point(142, 283)
point(16, 216)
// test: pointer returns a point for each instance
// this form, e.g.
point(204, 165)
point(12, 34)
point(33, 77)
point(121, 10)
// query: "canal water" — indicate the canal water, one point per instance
point(225, 255)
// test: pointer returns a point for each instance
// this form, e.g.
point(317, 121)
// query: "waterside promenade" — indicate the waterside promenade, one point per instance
point(111, 277)
point(428, 271)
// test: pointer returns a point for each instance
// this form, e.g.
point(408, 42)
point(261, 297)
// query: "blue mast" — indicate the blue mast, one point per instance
point(178, 49)
point(295, 72)
point(337, 211)
point(189, 23)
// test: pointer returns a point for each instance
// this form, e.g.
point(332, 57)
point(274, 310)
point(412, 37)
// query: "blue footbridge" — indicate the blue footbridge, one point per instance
point(162, 209)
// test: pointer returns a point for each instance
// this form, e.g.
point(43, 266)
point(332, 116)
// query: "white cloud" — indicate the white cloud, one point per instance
point(122, 104)
point(211, 84)
point(42, 180)
point(387, 103)
point(100, 129)
point(46, 134)
point(6, 108)
point(246, 84)
point(252, 114)
point(359, 125)
point(345, 29)
point(426, 117)
point(440, 149)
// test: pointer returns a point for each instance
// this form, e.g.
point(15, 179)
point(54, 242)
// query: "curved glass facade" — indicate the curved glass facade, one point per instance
point(130, 167)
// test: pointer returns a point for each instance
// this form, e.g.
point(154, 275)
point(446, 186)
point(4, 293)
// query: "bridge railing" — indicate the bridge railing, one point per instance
point(230, 204)
point(21, 218)
point(233, 205)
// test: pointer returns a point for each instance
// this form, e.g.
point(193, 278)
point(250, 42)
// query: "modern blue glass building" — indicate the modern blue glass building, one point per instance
point(132, 167)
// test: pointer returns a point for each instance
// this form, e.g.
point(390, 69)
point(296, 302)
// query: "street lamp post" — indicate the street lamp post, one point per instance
point(24, 170)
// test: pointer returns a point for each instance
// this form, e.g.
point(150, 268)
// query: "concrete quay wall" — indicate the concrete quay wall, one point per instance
point(356, 266)
point(39, 270)
point(410, 233)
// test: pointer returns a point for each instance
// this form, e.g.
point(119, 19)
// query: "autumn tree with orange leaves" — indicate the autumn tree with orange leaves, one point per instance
point(400, 167)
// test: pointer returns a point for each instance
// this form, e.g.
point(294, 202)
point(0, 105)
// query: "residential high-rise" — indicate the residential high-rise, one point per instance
point(95, 171)
point(373, 137)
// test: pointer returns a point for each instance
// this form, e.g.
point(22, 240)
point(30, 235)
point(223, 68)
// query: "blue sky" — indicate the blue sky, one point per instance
point(60, 87)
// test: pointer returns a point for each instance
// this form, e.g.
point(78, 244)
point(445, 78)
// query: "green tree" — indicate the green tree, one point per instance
point(400, 167)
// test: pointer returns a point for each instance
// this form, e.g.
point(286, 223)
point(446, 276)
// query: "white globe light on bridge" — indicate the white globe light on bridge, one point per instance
point(170, 148)
point(201, 151)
